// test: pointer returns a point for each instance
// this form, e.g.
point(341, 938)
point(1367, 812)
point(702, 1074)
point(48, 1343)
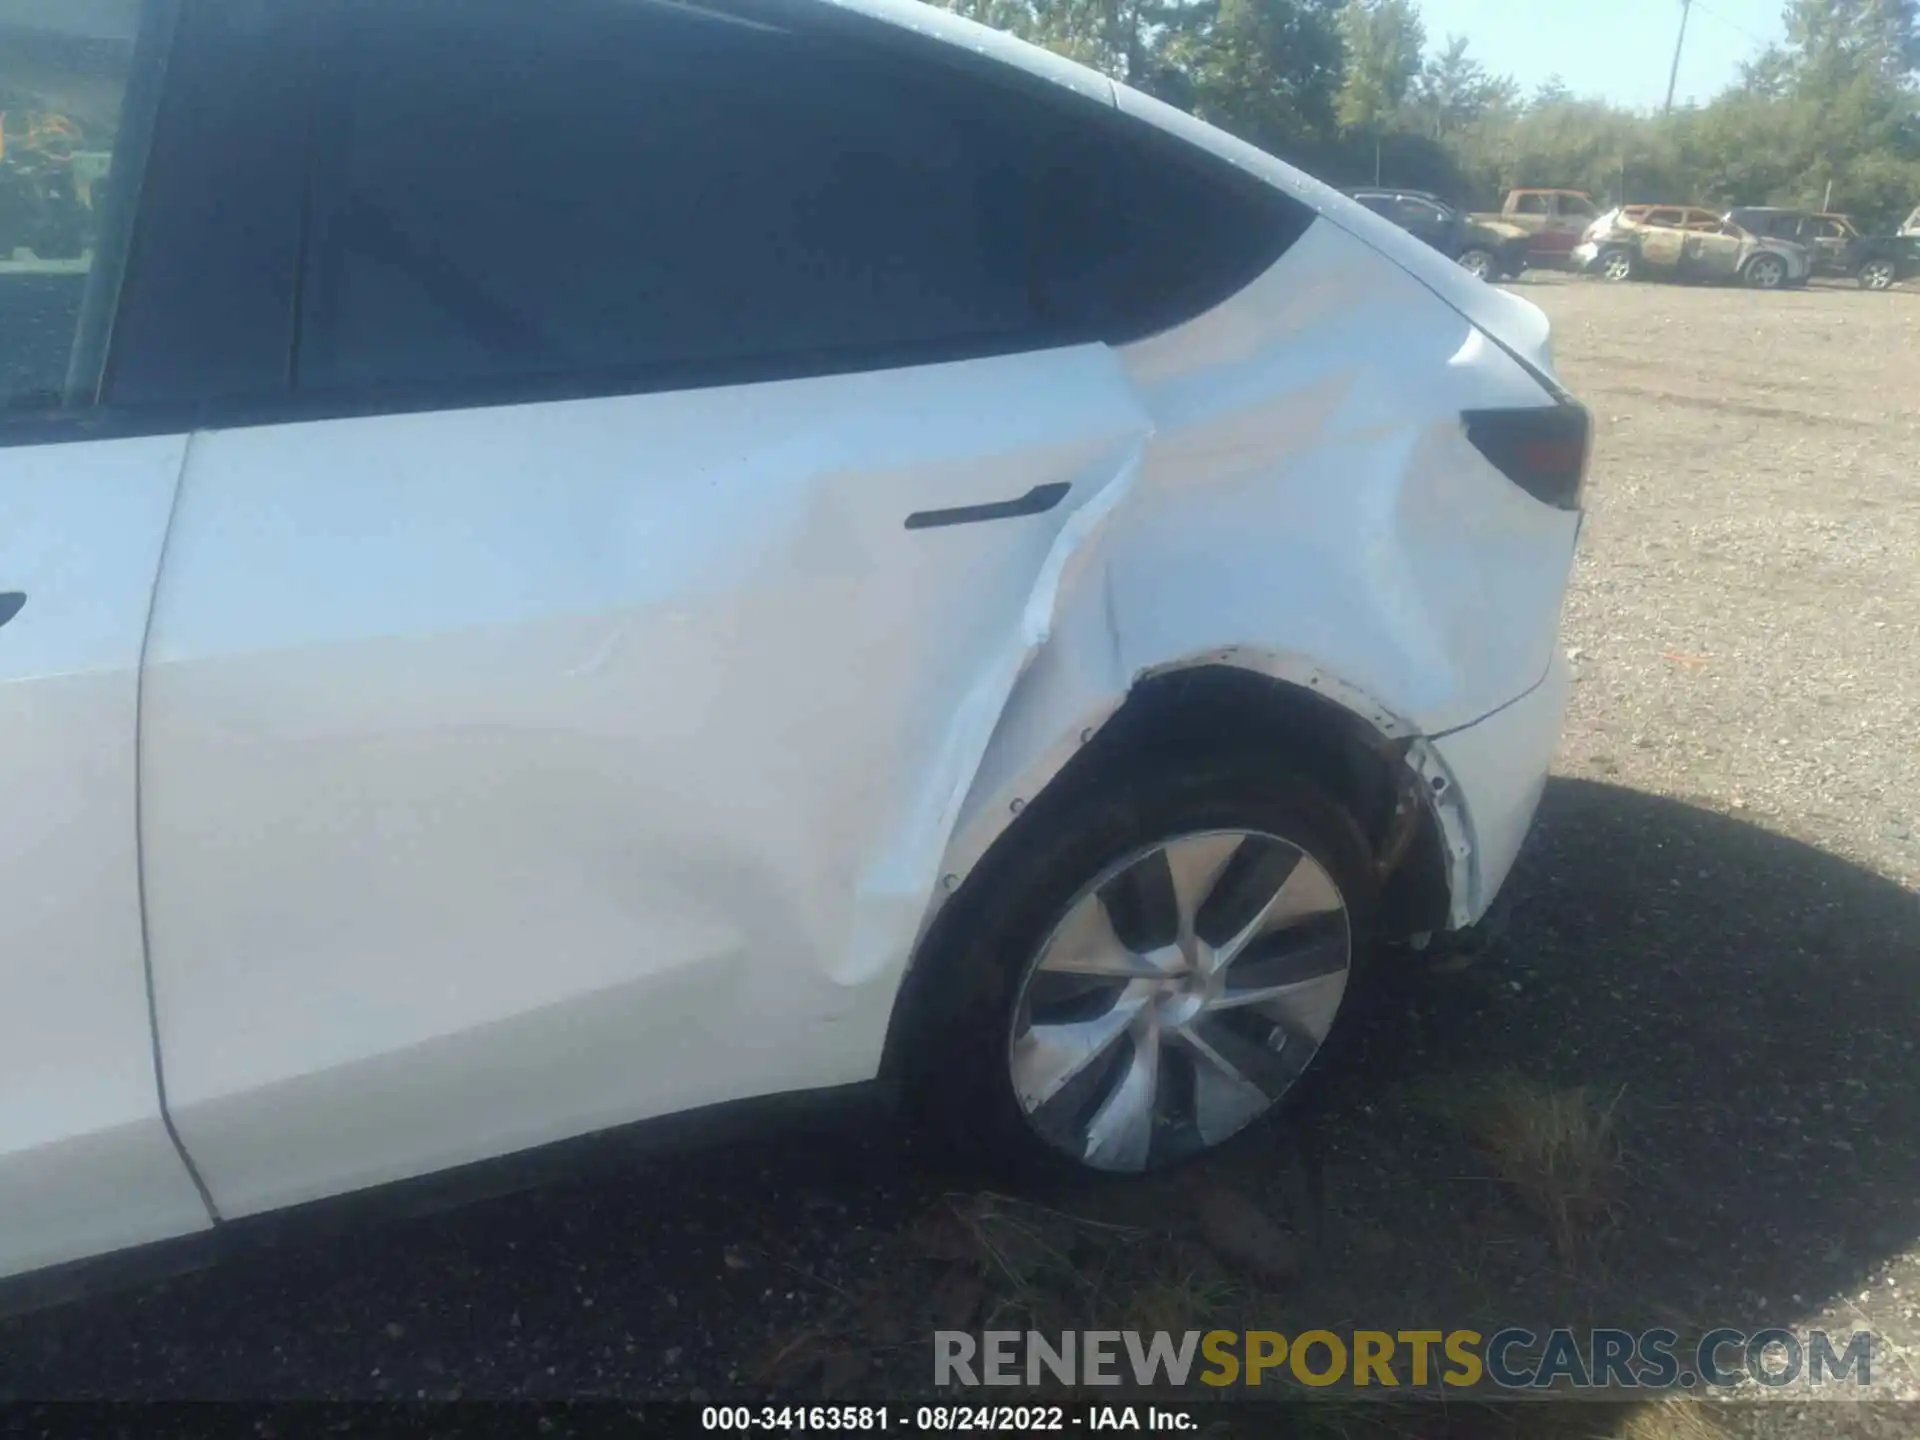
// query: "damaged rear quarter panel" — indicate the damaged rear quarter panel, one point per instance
point(1308, 508)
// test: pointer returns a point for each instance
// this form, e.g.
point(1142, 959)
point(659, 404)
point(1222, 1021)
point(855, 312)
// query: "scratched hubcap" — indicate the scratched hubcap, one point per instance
point(1179, 998)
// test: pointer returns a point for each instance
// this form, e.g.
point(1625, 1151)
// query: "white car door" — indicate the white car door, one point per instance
point(86, 1163)
point(560, 721)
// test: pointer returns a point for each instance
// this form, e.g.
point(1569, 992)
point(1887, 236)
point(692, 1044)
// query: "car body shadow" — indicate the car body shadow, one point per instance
point(1745, 1006)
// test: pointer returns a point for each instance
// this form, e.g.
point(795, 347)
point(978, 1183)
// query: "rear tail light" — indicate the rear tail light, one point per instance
point(1543, 449)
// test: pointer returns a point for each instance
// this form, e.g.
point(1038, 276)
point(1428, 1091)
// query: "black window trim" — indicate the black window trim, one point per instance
point(1291, 219)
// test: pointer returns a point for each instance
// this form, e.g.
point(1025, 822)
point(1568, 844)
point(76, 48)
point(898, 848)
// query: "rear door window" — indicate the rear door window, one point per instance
point(1416, 213)
point(662, 194)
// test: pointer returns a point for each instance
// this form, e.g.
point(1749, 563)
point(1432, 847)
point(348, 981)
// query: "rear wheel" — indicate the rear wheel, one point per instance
point(1617, 265)
point(1765, 272)
point(1150, 967)
point(1878, 275)
point(1479, 263)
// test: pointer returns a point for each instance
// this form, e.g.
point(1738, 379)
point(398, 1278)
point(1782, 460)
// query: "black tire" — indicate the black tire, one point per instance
point(1879, 274)
point(1617, 264)
point(1759, 267)
point(960, 1070)
point(1479, 262)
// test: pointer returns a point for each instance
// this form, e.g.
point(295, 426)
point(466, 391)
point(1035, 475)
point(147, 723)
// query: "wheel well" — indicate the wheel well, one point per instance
point(1226, 707)
point(1213, 706)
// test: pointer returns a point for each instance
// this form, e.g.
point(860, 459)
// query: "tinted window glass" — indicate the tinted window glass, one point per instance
point(65, 71)
point(592, 186)
point(1534, 205)
point(206, 311)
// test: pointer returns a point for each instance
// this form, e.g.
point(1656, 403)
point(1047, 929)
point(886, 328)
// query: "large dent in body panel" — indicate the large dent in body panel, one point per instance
point(1306, 508)
point(644, 755)
point(895, 892)
point(1310, 490)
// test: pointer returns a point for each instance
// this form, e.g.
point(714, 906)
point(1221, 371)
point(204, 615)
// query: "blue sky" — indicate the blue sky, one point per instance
point(1621, 49)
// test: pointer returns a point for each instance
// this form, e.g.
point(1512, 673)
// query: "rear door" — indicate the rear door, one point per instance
point(556, 717)
point(1831, 244)
point(1662, 241)
point(1532, 211)
point(1569, 218)
point(1425, 219)
point(86, 1164)
point(1714, 254)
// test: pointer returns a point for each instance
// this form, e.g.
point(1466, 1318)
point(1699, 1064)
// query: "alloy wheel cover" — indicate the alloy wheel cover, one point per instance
point(1179, 997)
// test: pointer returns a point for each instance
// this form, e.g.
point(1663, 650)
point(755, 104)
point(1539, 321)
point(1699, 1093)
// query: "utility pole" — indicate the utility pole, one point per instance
point(1673, 77)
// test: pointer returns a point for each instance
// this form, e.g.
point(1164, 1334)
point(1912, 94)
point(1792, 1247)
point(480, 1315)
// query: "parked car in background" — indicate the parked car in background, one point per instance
point(1687, 242)
point(1674, 217)
point(1490, 252)
point(1877, 262)
point(344, 844)
point(1552, 221)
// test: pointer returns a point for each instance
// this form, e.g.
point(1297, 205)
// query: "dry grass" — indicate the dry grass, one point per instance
point(1675, 1418)
point(987, 1261)
point(1557, 1150)
point(1181, 1301)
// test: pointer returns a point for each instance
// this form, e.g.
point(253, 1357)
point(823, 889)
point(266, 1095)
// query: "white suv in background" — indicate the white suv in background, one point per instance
point(587, 560)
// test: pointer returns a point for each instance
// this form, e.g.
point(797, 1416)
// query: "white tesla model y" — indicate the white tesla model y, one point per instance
point(567, 563)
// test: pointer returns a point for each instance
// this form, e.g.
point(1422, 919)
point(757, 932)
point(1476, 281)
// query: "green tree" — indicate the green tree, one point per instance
point(1833, 42)
point(1835, 107)
point(1331, 85)
point(1553, 91)
point(1265, 70)
point(1383, 40)
point(1454, 91)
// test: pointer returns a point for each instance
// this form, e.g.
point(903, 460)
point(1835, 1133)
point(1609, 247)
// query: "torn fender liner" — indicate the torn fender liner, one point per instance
point(896, 891)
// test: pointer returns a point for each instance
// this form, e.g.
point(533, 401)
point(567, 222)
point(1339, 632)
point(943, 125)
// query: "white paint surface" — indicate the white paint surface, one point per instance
point(85, 1162)
point(517, 772)
point(512, 773)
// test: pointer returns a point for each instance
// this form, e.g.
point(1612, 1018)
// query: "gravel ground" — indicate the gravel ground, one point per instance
point(1715, 957)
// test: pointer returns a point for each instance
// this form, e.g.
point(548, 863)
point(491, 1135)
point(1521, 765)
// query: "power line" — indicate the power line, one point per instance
point(1732, 24)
